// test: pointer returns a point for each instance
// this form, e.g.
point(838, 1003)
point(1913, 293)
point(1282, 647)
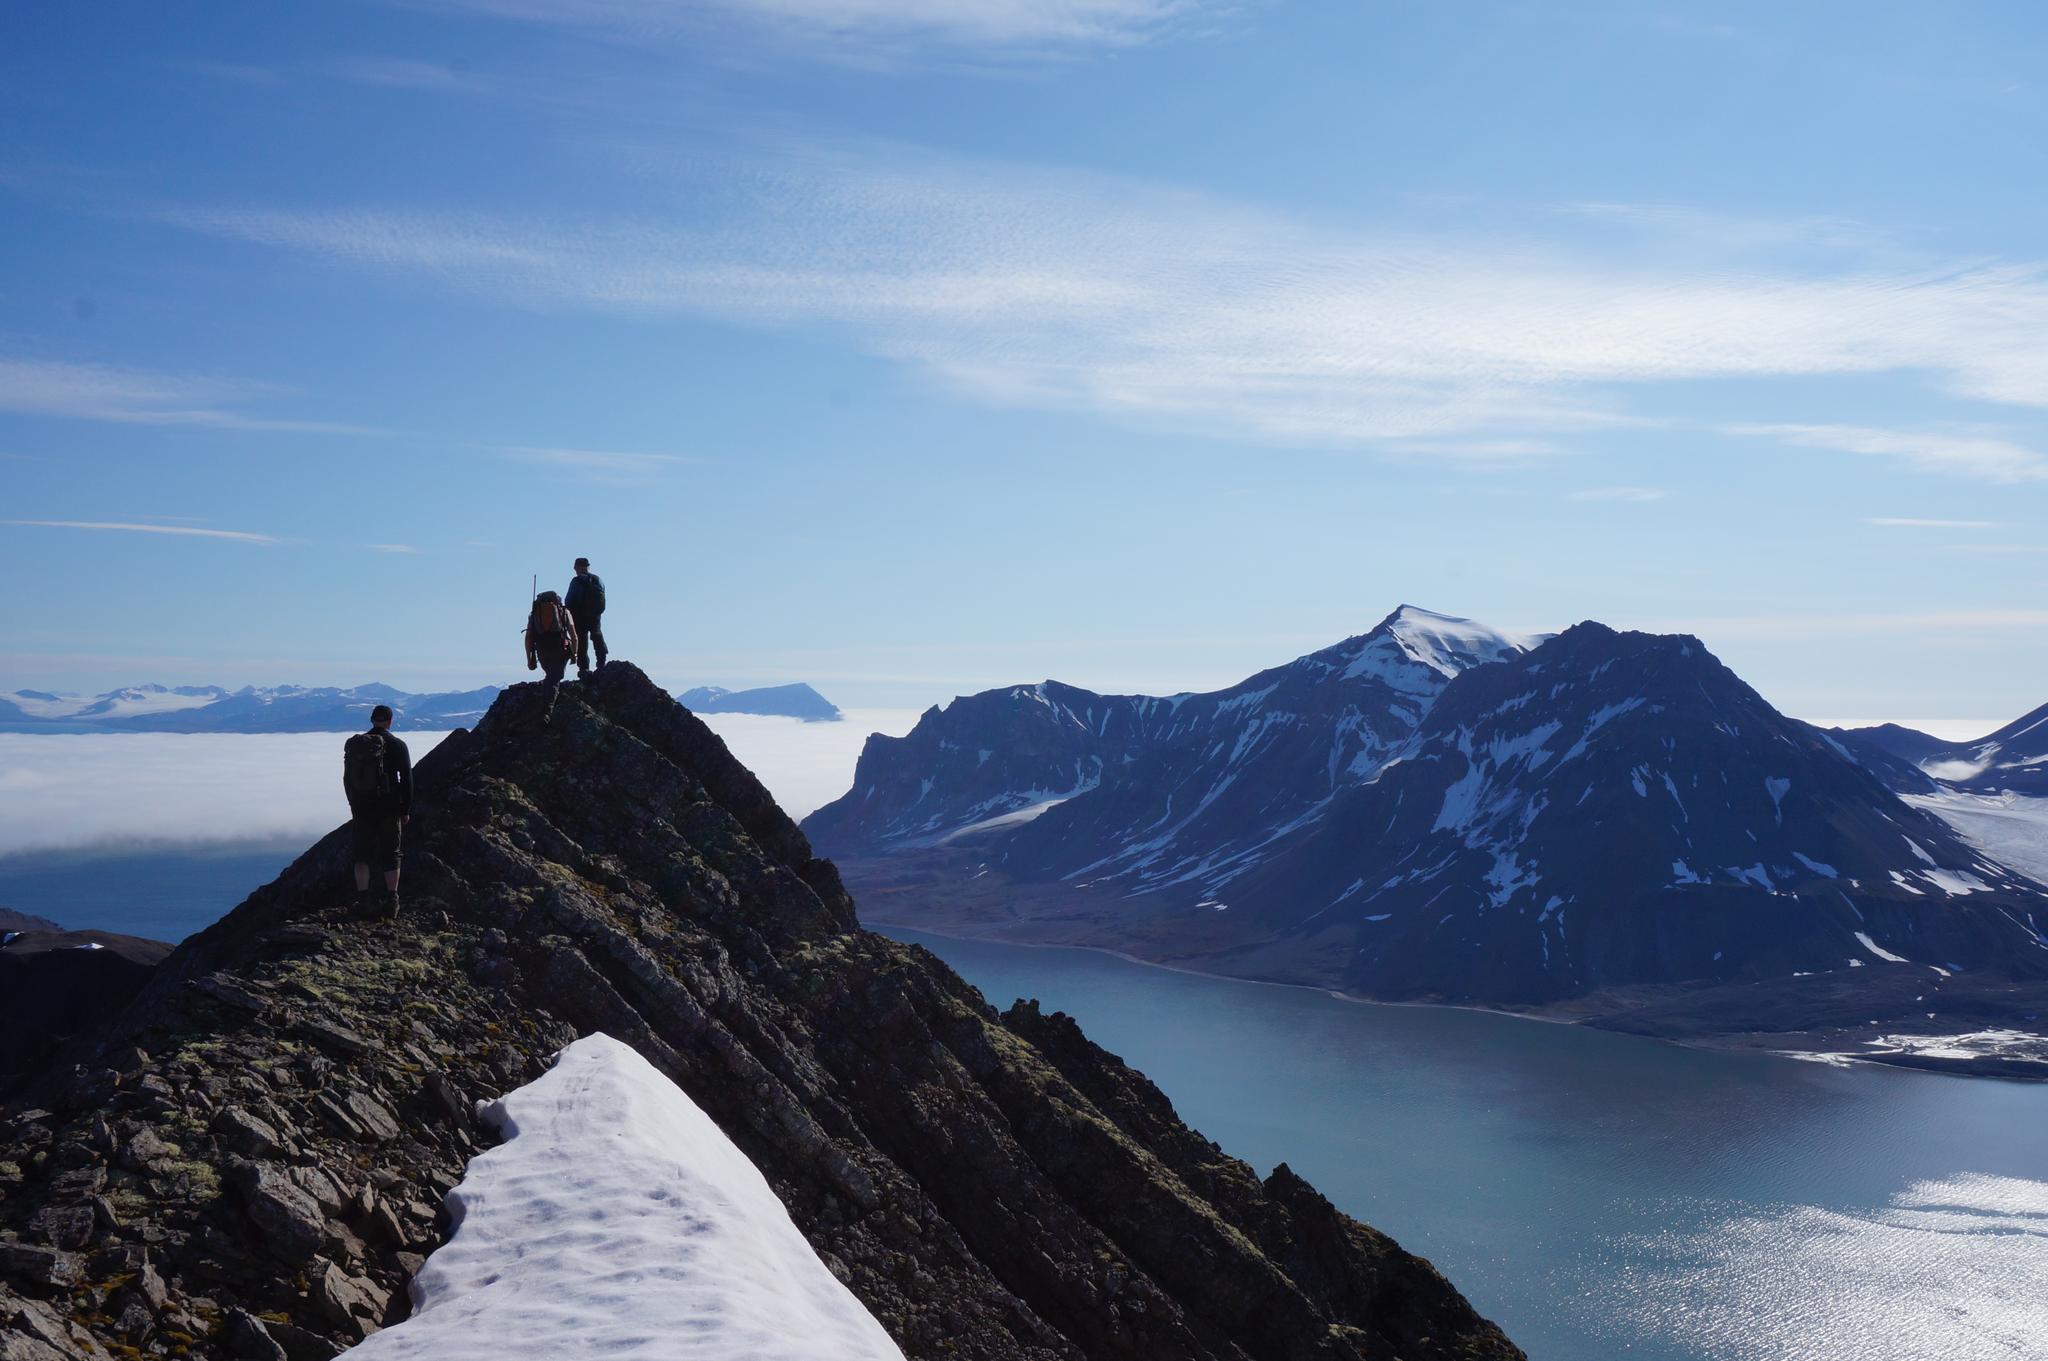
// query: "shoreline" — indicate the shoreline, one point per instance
point(1334, 994)
point(1731, 1043)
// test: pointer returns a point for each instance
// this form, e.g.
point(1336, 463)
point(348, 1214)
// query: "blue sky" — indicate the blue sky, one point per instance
point(914, 346)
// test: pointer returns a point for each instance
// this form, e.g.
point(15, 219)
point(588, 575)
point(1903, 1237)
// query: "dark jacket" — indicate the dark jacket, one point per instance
point(584, 593)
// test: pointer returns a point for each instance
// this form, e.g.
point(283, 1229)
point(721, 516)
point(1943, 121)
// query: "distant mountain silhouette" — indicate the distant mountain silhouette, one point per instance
point(2013, 759)
point(210, 708)
point(786, 701)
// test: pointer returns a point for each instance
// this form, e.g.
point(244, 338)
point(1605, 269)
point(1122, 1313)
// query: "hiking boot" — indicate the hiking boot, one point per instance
point(387, 905)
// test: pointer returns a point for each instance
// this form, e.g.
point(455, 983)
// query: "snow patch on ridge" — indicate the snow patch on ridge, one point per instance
point(618, 1221)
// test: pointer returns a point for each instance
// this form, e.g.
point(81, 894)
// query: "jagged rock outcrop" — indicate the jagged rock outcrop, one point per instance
point(56, 983)
point(250, 1161)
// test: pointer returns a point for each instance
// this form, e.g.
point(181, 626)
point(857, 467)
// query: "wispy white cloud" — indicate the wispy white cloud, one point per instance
point(1059, 289)
point(1988, 623)
point(612, 462)
point(406, 73)
point(98, 392)
point(237, 73)
point(239, 536)
point(864, 28)
point(1484, 453)
point(391, 548)
point(2001, 549)
point(1985, 457)
point(1907, 522)
point(1636, 494)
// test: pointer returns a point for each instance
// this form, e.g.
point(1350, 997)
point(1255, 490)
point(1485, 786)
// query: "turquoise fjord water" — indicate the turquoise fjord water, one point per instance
point(1603, 1196)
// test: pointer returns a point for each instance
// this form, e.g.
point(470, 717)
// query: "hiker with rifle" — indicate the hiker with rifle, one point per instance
point(586, 606)
point(376, 775)
point(550, 643)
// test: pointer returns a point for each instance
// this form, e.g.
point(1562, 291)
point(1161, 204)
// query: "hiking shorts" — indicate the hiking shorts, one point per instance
point(377, 838)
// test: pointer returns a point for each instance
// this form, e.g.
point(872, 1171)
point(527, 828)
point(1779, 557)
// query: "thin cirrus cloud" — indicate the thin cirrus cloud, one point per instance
point(401, 548)
point(99, 392)
point(1986, 458)
point(610, 462)
point(1909, 522)
point(125, 527)
point(406, 73)
point(871, 26)
point(2016, 550)
point(1628, 494)
point(1051, 288)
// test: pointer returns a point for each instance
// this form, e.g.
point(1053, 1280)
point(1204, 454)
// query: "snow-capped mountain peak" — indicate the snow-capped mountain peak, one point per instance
point(1416, 651)
point(1449, 645)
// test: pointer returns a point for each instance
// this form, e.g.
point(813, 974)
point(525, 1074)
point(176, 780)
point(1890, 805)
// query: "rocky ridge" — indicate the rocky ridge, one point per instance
point(249, 1160)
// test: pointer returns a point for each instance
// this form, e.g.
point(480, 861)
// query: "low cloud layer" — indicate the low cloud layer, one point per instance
point(73, 791)
point(65, 791)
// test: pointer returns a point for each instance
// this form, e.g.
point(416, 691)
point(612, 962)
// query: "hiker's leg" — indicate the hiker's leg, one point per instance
point(597, 641)
point(552, 668)
point(363, 832)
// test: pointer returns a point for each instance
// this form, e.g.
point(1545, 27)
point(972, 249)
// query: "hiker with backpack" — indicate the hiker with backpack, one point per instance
point(550, 643)
point(586, 606)
point(376, 775)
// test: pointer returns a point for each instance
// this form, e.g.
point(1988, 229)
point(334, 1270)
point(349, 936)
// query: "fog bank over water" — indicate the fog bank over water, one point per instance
point(74, 791)
point(70, 791)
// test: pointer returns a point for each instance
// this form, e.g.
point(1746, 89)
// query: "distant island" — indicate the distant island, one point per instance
point(251, 709)
point(782, 701)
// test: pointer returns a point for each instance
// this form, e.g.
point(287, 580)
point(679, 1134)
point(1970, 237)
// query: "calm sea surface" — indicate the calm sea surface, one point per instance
point(1600, 1196)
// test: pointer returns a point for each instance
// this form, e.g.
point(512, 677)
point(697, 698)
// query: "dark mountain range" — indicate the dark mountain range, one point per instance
point(1178, 790)
point(1906, 744)
point(2013, 759)
point(248, 1159)
point(1521, 826)
point(785, 701)
point(281, 708)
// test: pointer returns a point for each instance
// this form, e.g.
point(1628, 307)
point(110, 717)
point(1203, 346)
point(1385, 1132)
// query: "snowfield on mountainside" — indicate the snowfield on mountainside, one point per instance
point(616, 1220)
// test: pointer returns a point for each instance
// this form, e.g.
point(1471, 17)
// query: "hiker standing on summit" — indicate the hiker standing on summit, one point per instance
point(586, 606)
point(376, 774)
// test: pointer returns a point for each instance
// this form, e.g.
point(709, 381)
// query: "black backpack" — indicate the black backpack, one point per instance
point(590, 599)
point(366, 774)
